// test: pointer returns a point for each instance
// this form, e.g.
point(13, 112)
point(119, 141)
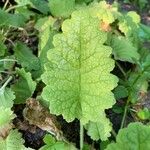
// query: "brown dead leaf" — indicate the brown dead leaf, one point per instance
point(105, 26)
point(39, 116)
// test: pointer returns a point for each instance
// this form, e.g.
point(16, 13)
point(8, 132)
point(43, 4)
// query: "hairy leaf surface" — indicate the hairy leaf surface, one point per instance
point(6, 97)
point(99, 130)
point(135, 137)
point(77, 77)
point(6, 116)
point(12, 142)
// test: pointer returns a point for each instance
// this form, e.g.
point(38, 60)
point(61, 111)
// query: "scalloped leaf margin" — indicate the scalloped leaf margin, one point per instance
point(77, 76)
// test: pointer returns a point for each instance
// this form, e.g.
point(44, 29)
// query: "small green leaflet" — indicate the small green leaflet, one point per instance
point(24, 87)
point(52, 144)
point(135, 137)
point(124, 50)
point(61, 8)
point(25, 57)
point(120, 92)
point(99, 130)
point(105, 12)
point(144, 114)
point(12, 142)
point(77, 76)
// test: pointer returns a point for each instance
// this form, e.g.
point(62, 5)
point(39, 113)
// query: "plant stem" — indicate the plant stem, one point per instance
point(124, 114)
point(5, 84)
point(113, 133)
point(7, 60)
point(12, 7)
point(81, 136)
point(121, 69)
point(5, 5)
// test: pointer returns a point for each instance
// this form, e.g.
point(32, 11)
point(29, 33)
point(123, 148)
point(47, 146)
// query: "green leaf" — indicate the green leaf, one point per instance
point(134, 16)
point(138, 84)
point(61, 8)
point(46, 33)
point(144, 31)
point(24, 87)
point(135, 137)
point(25, 57)
point(124, 50)
point(51, 144)
point(14, 20)
point(105, 12)
point(12, 142)
point(99, 130)
point(143, 114)
point(129, 25)
point(6, 97)
point(25, 12)
point(6, 116)
point(77, 76)
point(42, 6)
point(3, 49)
point(48, 139)
point(120, 92)
point(8, 65)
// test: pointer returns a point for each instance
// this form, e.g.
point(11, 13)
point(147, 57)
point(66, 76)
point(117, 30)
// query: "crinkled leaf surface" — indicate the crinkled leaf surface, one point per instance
point(6, 97)
point(135, 137)
point(77, 77)
point(99, 130)
point(24, 87)
point(129, 25)
point(105, 12)
point(12, 142)
point(6, 116)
